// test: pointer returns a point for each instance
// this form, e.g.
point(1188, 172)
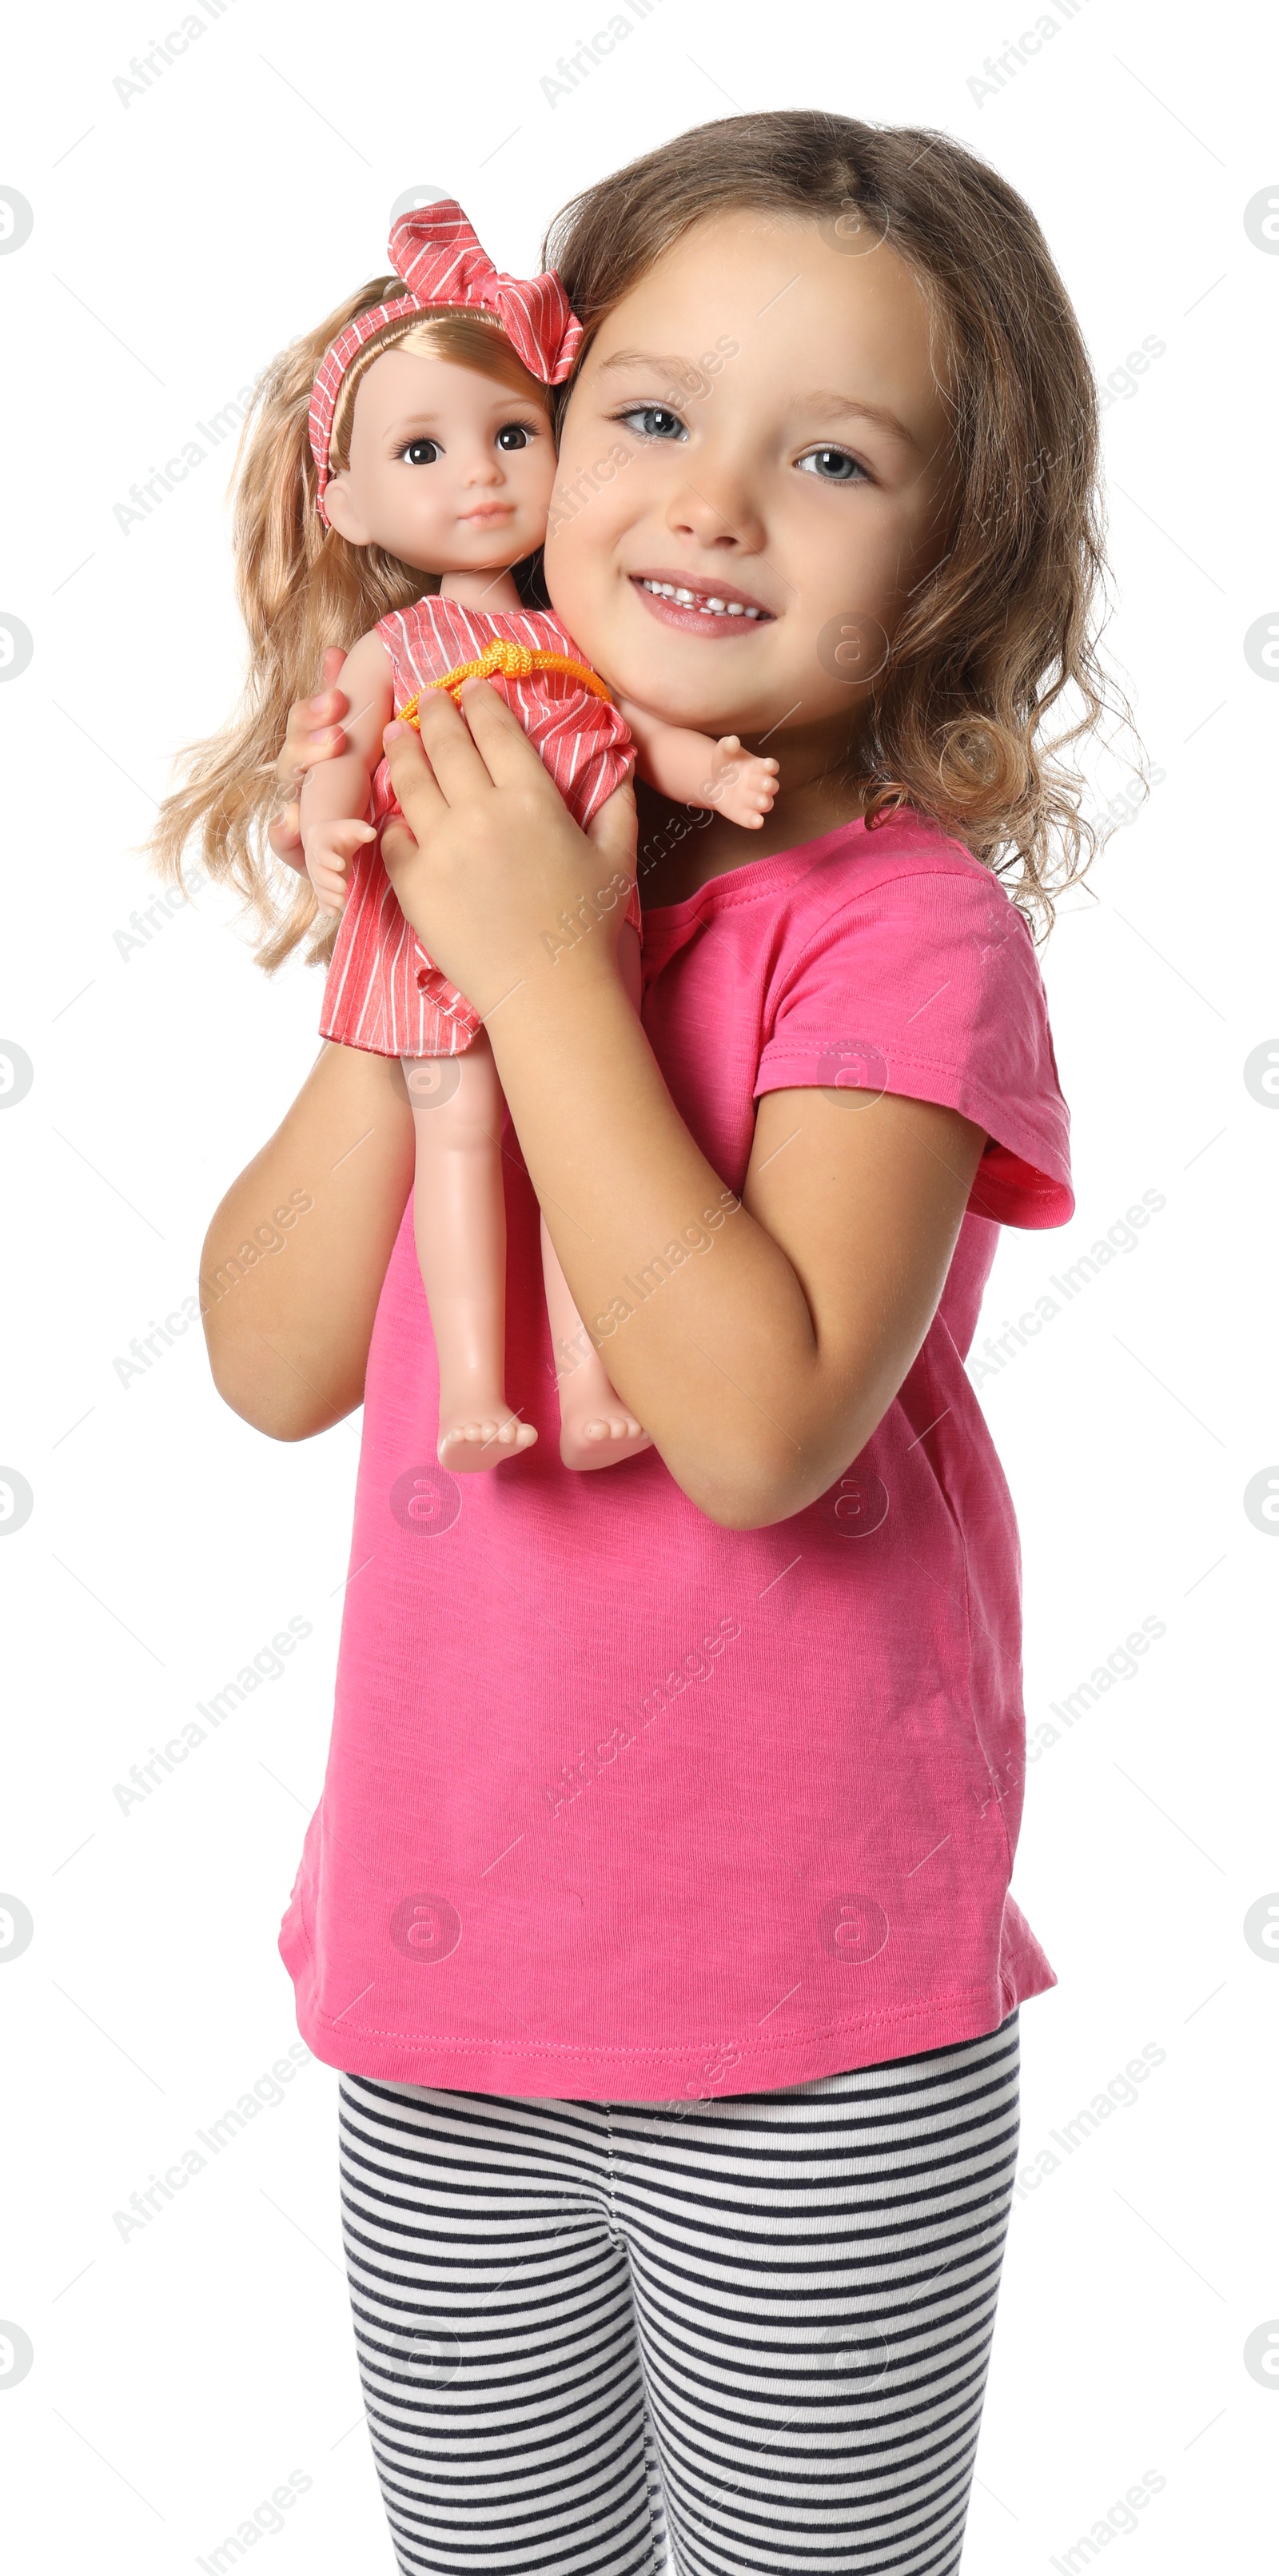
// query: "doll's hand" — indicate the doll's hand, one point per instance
point(314, 733)
point(741, 786)
point(330, 848)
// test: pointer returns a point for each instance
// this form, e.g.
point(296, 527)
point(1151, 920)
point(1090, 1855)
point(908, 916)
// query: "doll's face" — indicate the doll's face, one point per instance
point(758, 422)
point(449, 470)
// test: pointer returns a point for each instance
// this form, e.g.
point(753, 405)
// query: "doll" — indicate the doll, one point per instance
point(432, 455)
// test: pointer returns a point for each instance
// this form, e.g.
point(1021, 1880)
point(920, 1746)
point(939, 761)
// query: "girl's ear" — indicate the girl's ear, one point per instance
point(339, 502)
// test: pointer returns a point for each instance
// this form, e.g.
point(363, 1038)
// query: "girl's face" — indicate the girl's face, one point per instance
point(449, 470)
point(758, 423)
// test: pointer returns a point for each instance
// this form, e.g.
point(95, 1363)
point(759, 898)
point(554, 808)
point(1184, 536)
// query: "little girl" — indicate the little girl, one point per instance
point(426, 442)
point(657, 1911)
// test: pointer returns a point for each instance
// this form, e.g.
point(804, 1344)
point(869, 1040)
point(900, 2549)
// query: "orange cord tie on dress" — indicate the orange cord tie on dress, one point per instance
point(515, 662)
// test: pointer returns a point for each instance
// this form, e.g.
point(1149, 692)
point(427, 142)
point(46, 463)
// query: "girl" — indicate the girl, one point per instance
point(425, 443)
point(657, 1908)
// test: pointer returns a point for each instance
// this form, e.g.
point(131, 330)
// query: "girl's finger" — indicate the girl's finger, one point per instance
point(330, 702)
point(285, 836)
point(504, 747)
point(443, 754)
point(398, 846)
point(614, 831)
point(302, 750)
point(415, 788)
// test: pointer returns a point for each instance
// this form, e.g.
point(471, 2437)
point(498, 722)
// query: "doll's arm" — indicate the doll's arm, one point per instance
point(335, 795)
point(693, 770)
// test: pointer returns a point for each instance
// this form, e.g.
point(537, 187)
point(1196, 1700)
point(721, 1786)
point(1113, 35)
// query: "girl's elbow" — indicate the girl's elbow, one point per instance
point(747, 1490)
point(277, 1402)
point(767, 1479)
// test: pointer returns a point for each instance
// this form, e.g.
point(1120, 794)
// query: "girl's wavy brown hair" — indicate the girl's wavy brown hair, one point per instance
point(301, 586)
point(1006, 626)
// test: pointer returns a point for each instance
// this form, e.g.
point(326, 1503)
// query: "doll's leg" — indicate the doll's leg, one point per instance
point(596, 1428)
point(459, 1225)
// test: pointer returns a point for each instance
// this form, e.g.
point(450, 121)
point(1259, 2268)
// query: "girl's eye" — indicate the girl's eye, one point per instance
point(420, 451)
point(653, 420)
point(832, 465)
point(512, 436)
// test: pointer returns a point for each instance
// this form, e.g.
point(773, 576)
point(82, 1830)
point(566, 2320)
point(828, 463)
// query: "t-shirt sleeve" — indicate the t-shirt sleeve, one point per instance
point(928, 984)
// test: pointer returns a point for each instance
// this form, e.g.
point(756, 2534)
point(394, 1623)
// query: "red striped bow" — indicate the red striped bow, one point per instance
point(436, 253)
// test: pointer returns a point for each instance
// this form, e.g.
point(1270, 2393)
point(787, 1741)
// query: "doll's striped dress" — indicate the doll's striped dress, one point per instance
point(383, 993)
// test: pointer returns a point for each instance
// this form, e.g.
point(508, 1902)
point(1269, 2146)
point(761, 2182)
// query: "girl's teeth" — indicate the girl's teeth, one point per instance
point(705, 607)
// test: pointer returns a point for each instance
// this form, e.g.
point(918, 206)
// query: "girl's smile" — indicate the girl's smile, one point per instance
point(708, 607)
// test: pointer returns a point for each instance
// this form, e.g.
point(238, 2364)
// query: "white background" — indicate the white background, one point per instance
point(180, 239)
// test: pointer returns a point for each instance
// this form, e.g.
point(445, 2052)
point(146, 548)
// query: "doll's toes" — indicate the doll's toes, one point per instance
point(602, 1440)
point(514, 1434)
point(468, 1444)
point(497, 1430)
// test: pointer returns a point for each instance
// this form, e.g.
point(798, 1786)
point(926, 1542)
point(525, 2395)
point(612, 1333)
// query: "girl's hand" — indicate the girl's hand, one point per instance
point(314, 733)
point(490, 869)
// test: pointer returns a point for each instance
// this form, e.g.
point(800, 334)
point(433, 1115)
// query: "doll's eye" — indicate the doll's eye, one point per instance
point(420, 451)
point(832, 465)
point(653, 420)
point(512, 436)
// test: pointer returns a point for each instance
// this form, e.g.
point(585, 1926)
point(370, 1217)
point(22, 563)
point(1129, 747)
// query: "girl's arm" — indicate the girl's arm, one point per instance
point(692, 770)
point(759, 1343)
point(335, 794)
point(294, 1260)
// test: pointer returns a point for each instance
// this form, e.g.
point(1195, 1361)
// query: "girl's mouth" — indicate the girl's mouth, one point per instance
point(699, 609)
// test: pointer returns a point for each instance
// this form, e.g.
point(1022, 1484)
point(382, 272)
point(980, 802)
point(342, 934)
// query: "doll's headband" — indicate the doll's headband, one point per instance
point(436, 254)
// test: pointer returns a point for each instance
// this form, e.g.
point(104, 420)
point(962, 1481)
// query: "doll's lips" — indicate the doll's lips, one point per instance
point(699, 607)
point(485, 517)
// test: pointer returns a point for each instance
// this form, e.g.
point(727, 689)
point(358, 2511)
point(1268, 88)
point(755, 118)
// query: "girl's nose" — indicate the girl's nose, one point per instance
point(717, 511)
point(482, 467)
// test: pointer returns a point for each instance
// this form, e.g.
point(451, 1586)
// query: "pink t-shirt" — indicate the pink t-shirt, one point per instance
point(624, 1806)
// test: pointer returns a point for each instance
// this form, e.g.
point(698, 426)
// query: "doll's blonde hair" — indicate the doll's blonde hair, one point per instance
point(301, 586)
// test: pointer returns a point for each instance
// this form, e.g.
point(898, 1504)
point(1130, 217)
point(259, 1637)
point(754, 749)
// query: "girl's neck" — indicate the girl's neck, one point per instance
point(675, 861)
point(494, 593)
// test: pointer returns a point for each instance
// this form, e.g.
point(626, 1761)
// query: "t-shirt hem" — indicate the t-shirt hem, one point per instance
point(696, 2070)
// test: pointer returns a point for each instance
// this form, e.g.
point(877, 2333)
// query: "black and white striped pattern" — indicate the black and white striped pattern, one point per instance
point(725, 2337)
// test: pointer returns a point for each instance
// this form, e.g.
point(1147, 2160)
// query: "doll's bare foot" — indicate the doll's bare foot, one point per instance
point(601, 1439)
point(472, 1439)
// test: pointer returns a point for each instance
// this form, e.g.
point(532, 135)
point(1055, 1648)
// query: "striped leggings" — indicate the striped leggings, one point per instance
point(725, 2338)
